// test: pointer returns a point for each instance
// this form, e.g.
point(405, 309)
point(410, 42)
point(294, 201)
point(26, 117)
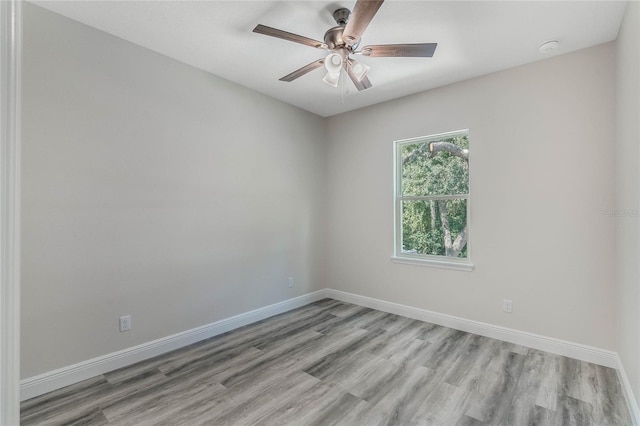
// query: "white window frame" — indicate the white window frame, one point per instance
point(447, 262)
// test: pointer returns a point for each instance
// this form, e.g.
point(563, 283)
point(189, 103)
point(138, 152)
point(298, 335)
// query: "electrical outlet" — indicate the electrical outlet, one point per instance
point(290, 281)
point(507, 306)
point(125, 323)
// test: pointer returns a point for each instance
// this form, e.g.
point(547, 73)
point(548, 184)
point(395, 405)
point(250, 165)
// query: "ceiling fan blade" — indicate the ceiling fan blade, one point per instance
point(360, 84)
point(422, 50)
point(274, 32)
point(363, 13)
point(302, 71)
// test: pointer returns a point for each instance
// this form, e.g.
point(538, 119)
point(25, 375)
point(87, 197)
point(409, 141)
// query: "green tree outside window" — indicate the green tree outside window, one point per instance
point(433, 191)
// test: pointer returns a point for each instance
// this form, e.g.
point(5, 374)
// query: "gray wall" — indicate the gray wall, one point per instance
point(542, 167)
point(153, 189)
point(628, 193)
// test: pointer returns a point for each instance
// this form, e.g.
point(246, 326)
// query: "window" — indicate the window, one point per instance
point(432, 200)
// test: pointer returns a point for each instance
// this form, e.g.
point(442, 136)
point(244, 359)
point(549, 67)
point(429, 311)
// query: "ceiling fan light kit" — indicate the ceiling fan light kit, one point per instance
point(333, 64)
point(343, 40)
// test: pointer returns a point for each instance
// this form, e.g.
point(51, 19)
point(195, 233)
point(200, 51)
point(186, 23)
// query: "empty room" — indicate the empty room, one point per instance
point(320, 213)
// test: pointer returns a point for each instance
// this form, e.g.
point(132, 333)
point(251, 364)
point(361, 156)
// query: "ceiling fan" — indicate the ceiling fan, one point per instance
point(343, 41)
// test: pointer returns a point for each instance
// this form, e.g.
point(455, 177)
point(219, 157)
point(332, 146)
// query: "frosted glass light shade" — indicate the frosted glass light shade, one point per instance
point(333, 63)
point(332, 78)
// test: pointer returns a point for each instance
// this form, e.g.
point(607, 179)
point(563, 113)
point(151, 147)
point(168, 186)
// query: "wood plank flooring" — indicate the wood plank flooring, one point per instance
point(333, 363)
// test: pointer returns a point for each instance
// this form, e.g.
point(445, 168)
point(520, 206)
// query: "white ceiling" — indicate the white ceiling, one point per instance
point(474, 38)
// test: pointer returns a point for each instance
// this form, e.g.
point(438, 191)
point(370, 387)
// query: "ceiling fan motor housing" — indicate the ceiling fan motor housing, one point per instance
point(333, 37)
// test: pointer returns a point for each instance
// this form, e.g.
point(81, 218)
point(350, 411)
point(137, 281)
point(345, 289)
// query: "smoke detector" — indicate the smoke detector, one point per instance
point(549, 47)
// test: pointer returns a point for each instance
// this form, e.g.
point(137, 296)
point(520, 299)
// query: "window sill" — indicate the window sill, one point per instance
point(434, 263)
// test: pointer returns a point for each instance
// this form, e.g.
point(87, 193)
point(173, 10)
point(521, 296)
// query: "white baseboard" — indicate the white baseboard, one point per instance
point(547, 344)
point(47, 382)
point(628, 392)
point(52, 380)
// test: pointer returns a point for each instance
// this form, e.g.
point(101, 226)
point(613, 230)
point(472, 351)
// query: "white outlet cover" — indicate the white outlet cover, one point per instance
point(125, 323)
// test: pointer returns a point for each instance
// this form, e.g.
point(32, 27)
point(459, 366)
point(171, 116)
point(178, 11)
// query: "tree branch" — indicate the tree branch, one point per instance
point(436, 147)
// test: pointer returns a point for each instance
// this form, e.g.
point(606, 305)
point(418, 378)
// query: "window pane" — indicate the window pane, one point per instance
point(434, 227)
point(437, 167)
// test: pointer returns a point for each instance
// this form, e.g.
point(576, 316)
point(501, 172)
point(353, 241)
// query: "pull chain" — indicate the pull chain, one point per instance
point(342, 88)
point(342, 84)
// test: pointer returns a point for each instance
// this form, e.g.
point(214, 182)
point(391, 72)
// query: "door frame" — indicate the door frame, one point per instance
point(10, 70)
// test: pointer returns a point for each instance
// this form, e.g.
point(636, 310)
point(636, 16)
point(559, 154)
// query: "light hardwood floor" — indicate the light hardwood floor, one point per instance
point(335, 363)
